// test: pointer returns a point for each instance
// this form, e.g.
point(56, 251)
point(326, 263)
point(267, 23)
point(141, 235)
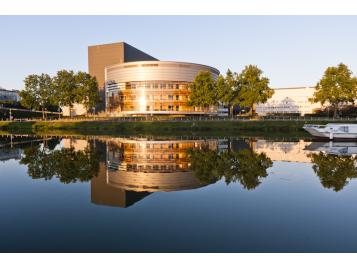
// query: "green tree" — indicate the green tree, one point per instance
point(66, 89)
point(203, 91)
point(253, 87)
point(38, 92)
point(337, 86)
point(334, 170)
point(28, 99)
point(88, 90)
point(227, 90)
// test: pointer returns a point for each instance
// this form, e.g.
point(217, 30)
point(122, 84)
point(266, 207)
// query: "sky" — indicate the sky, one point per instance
point(291, 50)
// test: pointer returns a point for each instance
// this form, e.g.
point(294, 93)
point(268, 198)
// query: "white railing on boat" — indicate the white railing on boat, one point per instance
point(315, 126)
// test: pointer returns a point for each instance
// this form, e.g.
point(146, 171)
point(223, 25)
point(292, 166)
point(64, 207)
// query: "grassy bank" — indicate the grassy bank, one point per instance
point(162, 127)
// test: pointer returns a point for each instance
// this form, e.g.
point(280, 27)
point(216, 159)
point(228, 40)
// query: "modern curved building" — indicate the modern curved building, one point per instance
point(135, 83)
point(152, 87)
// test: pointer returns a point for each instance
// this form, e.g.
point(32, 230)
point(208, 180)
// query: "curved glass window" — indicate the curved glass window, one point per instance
point(148, 97)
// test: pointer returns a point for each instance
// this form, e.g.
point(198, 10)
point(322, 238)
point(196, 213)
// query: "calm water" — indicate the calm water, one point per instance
point(109, 194)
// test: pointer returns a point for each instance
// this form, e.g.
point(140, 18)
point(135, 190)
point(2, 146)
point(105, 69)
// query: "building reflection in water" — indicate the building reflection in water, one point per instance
point(136, 168)
point(123, 171)
point(286, 151)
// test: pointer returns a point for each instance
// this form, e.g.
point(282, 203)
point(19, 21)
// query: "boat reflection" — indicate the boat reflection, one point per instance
point(334, 163)
point(335, 148)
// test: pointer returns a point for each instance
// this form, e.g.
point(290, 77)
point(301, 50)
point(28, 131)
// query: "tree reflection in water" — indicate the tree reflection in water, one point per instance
point(334, 171)
point(245, 166)
point(67, 164)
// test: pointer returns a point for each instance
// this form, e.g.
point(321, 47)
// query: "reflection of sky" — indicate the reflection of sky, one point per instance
point(289, 211)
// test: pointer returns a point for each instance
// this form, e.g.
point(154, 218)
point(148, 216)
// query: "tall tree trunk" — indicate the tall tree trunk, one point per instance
point(43, 114)
point(253, 110)
point(70, 111)
point(334, 111)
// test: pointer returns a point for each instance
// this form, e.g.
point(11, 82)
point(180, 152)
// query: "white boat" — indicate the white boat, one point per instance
point(333, 131)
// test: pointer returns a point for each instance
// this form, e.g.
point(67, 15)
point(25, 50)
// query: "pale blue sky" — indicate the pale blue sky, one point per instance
point(291, 50)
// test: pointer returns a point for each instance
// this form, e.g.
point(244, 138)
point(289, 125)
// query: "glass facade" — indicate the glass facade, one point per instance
point(148, 96)
point(155, 87)
point(151, 156)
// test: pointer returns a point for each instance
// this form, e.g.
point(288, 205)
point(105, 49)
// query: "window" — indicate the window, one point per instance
point(171, 107)
point(343, 129)
point(177, 86)
point(177, 108)
point(170, 97)
point(177, 97)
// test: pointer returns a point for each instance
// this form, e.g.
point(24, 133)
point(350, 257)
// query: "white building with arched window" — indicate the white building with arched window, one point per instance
point(289, 100)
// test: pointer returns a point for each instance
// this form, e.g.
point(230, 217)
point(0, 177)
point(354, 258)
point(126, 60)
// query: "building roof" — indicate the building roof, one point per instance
point(150, 63)
point(285, 88)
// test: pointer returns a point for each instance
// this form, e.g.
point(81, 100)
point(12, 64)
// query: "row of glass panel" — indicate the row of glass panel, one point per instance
point(111, 85)
point(133, 97)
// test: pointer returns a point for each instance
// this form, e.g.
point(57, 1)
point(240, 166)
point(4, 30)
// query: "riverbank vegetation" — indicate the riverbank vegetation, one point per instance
point(212, 127)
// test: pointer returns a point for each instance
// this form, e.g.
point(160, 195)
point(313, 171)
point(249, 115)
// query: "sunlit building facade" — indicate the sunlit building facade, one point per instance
point(293, 100)
point(132, 82)
point(152, 87)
